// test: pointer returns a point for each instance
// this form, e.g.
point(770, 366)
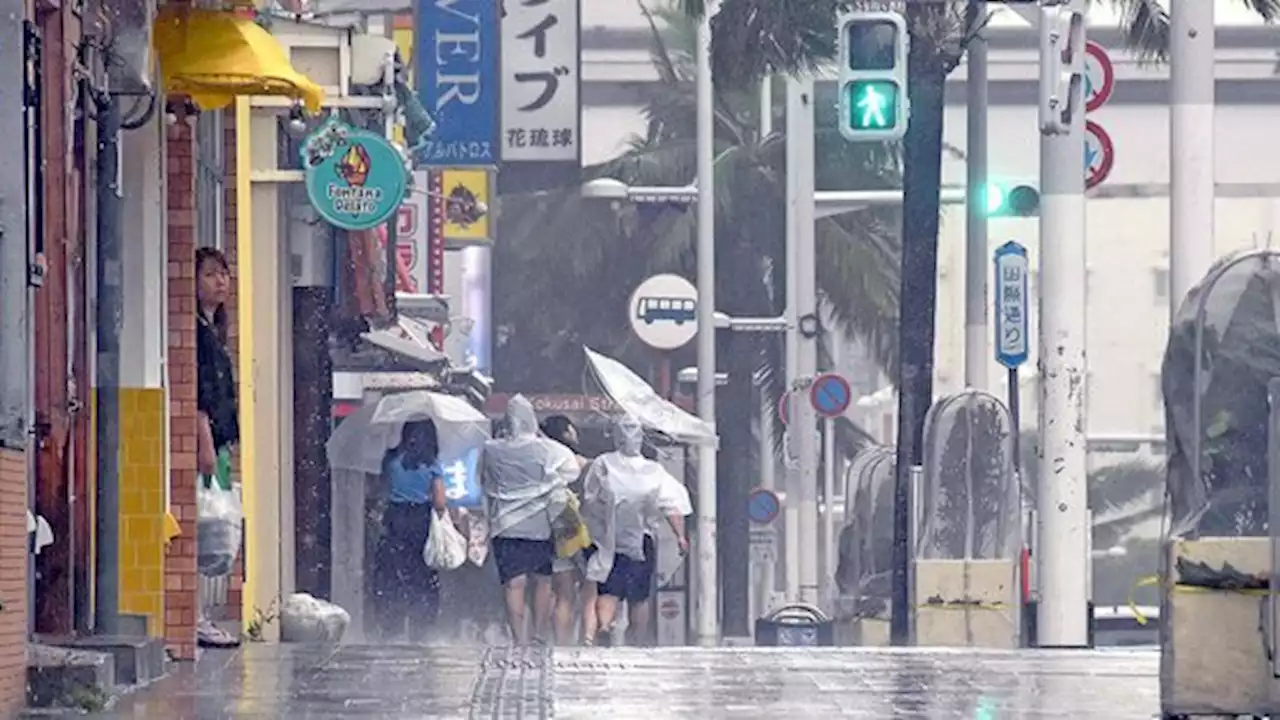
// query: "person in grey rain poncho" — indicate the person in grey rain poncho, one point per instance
point(624, 494)
point(526, 484)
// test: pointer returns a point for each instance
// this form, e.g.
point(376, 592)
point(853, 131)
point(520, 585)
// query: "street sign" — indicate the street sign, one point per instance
point(830, 395)
point(784, 408)
point(1012, 305)
point(1099, 155)
point(763, 506)
point(1099, 76)
point(663, 312)
point(763, 545)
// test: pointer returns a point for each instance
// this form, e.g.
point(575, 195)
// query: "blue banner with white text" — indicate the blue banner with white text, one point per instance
point(457, 57)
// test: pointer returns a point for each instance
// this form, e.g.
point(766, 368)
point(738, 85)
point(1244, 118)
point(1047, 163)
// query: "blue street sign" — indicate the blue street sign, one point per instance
point(457, 79)
point(830, 395)
point(763, 506)
point(1012, 305)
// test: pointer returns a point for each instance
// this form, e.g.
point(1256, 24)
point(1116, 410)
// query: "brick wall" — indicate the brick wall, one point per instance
point(181, 588)
point(13, 581)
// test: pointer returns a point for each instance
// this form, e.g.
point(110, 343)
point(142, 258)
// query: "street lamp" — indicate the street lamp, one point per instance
point(750, 324)
point(689, 376)
point(617, 191)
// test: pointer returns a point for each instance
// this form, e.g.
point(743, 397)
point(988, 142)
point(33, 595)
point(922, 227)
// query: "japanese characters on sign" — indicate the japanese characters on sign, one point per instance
point(457, 80)
point(540, 81)
point(1012, 305)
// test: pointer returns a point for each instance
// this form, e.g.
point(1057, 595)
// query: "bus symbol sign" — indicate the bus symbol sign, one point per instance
point(663, 311)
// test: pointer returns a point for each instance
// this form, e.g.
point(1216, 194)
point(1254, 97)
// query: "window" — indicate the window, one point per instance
point(210, 169)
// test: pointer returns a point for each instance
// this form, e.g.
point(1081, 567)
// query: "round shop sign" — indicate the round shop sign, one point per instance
point(356, 179)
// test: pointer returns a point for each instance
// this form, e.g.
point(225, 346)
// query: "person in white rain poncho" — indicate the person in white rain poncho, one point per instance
point(526, 484)
point(623, 495)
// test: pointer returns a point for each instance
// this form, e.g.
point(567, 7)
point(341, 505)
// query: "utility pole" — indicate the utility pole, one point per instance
point(976, 261)
point(800, 217)
point(1191, 167)
point(14, 263)
point(796, 151)
point(1062, 498)
point(766, 583)
point(707, 620)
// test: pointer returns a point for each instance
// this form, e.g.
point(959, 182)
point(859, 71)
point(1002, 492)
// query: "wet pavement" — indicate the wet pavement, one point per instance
point(294, 681)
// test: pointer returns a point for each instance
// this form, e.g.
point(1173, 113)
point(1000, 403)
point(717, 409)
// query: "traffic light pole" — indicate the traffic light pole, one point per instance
point(1191, 91)
point(976, 260)
point(1061, 499)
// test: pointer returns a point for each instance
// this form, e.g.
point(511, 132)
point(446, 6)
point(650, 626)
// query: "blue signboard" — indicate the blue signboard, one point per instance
point(461, 487)
point(457, 78)
point(355, 179)
point(1012, 305)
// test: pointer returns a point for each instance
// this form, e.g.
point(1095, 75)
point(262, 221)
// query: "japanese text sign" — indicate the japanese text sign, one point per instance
point(540, 81)
point(457, 80)
point(1011, 305)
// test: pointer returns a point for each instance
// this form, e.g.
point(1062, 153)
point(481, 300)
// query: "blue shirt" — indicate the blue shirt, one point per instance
point(411, 486)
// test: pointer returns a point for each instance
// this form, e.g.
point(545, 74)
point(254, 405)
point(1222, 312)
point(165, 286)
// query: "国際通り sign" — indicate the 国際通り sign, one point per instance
point(540, 81)
point(355, 179)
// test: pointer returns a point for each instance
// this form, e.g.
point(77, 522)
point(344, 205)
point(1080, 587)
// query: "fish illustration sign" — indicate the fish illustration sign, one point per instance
point(356, 179)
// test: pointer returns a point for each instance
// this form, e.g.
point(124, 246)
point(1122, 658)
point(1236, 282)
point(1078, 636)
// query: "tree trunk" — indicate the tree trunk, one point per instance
point(921, 204)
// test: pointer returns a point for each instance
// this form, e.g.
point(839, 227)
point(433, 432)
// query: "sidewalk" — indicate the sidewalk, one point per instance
point(293, 681)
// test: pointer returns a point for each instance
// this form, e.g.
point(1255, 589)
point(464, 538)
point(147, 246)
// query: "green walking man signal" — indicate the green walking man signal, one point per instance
point(873, 76)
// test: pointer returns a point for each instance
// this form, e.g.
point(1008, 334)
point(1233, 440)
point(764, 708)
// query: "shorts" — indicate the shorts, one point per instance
point(630, 579)
point(516, 557)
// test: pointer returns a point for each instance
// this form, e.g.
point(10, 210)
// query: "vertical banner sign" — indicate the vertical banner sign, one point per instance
point(540, 81)
point(1012, 323)
point(411, 234)
point(435, 233)
point(457, 80)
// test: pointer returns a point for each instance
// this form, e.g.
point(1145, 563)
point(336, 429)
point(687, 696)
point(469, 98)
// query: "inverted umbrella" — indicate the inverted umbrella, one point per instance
point(638, 399)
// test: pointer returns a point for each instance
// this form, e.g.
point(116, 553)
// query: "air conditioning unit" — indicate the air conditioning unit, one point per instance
point(130, 59)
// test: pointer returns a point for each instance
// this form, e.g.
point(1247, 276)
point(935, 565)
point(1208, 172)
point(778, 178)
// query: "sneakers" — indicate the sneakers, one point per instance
point(209, 635)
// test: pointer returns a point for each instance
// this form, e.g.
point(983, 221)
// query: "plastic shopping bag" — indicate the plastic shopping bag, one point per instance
point(218, 531)
point(570, 531)
point(445, 548)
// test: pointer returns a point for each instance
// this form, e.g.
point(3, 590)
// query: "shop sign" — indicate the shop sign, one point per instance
point(356, 179)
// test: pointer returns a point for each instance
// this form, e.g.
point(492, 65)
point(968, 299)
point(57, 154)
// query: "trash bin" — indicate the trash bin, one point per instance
point(796, 625)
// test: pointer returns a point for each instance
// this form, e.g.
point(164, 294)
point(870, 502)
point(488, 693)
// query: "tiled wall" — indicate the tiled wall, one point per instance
point(180, 587)
point(142, 508)
point(13, 581)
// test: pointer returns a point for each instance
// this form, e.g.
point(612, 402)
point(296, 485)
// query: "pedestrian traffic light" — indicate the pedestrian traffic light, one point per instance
point(1062, 51)
point(873, 76)
point(1011, 201)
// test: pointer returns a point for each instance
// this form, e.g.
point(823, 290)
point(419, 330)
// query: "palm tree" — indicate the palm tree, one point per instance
point(568, 265)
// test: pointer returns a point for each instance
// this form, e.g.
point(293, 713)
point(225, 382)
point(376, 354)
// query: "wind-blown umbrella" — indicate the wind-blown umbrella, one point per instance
point(364, 437)
point(638, 399)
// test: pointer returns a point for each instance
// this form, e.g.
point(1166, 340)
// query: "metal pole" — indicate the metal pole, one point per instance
point(767, 571)
point(976, 254)
point(1062, 504)
point(826, 531)
point(766, 106)
point(801, 208)
point(708, 606)
point(15, 326)
point(795, 150)
point(1191, 93)
point(109, 319)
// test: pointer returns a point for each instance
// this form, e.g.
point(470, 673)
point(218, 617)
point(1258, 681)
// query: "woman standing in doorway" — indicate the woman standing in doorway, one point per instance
point(405, 589)
point(565, 572)
point(217, 421)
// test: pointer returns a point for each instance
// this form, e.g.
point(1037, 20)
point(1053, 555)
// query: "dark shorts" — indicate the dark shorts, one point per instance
point(629, 580)
point(516, 557)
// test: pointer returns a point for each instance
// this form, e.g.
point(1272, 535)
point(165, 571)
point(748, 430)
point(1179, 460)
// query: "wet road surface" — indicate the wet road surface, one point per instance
point(294, 681)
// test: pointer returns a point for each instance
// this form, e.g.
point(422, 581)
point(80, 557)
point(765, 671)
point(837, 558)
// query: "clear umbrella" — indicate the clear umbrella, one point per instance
point(638, 399)
point(364, 437)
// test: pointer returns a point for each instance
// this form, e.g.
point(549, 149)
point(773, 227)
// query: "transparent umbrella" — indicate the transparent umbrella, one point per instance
point(638, 399)
point(364, 437)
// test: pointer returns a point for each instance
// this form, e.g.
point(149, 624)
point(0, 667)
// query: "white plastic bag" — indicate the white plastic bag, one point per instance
point(445, 548)
point(304, 618)
point(218, 531)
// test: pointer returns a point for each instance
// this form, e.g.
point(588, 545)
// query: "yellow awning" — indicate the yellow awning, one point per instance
point(215, 56)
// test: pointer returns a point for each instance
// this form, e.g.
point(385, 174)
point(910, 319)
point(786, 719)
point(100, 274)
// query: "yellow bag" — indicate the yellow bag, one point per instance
point(569, 531)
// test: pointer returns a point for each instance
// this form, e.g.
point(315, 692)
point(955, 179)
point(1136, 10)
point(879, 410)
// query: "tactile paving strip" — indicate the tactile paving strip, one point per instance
point(515, 683)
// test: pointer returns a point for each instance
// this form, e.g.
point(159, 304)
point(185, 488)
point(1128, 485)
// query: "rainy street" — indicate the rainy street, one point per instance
point(435, 682)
